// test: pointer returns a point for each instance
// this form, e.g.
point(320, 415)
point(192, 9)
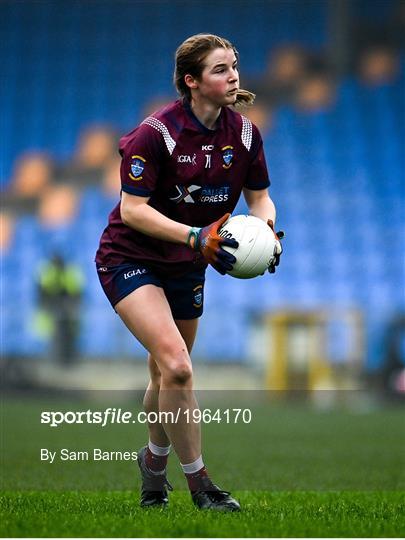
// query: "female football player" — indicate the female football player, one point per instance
point(183, 170)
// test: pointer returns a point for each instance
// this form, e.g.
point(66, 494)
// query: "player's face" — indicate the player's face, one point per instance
point(219, 80)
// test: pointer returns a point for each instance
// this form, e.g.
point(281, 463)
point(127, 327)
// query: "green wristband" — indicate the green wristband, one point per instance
point(193, 235)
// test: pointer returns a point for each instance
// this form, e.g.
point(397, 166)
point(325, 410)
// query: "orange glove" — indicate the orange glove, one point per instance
point(209, 243)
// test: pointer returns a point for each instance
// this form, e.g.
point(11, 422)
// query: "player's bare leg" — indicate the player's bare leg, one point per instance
point(147, 314)
point(158, 449)
point(157, 434)
point(169, 343)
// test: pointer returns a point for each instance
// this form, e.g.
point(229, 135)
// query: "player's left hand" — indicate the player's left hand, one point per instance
point(278, 249)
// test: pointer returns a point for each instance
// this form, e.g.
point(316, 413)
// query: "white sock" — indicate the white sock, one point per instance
point(191, 468)
point(159, 450)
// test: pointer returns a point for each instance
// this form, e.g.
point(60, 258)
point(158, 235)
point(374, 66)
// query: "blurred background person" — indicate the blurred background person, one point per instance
point(32, 174)
point(378, 65)
point(58, 205)
point(316, 90)
point(60, 290)
point(95, 147)
point(286, 66)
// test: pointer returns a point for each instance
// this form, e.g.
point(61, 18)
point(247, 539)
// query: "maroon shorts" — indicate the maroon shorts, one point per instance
point(185, 294)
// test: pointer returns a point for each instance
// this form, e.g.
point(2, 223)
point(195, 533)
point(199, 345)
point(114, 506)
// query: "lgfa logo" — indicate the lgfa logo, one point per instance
point(187, 159)
point(137, 272)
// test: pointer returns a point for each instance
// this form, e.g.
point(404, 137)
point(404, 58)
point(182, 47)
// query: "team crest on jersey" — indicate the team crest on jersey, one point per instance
point(137, 167)
point(227, 156)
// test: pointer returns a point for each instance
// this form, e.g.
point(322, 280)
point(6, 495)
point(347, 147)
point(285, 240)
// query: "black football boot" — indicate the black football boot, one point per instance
point(211, 497)
point(153, 490)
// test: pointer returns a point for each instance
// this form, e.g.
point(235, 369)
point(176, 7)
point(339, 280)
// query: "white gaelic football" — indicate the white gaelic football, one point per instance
point(256, 245)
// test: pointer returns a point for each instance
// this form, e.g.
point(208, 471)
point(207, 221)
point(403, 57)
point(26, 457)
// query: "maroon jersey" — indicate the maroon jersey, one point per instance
point(192, 175)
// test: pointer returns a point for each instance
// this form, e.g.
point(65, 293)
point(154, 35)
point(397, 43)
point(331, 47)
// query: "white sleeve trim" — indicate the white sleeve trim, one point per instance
point(159, 126)
point(246, 134)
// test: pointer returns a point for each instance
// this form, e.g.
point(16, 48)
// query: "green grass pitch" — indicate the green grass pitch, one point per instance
point(297, 472)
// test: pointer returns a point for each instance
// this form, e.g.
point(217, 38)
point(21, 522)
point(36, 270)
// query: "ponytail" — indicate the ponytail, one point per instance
point(244, 98)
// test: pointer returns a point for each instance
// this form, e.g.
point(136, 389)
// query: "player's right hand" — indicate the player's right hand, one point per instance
point(210, 244)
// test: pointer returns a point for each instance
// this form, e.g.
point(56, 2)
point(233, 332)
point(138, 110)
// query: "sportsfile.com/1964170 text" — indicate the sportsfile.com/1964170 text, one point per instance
point(113, 415)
